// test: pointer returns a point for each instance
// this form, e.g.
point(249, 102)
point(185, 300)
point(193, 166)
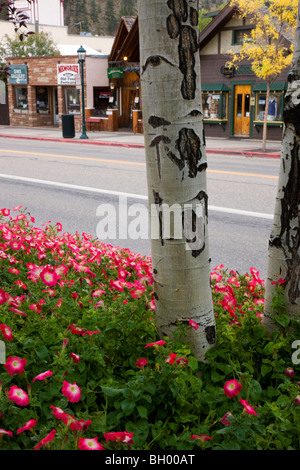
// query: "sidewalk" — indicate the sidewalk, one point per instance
point(224, 146)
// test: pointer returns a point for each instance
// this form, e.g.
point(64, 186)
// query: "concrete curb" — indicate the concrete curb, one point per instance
point(247, 154)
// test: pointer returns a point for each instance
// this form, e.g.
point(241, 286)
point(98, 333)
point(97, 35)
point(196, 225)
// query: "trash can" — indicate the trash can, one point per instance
point(68, 127)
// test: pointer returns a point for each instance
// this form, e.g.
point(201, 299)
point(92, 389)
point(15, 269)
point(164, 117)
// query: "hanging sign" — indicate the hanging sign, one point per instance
point(116, 72)
point(66, 74)
point(18, 74)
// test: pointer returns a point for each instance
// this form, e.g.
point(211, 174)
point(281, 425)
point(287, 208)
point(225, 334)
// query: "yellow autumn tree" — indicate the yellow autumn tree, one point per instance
point(269, 46)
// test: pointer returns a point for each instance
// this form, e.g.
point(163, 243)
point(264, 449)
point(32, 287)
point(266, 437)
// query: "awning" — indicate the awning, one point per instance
point(214, 87)
point(276, 86)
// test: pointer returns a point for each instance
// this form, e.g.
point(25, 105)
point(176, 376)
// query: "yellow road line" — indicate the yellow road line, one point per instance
point(124, 162)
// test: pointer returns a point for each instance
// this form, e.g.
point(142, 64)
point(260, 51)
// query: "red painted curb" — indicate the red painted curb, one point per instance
point(247, 154)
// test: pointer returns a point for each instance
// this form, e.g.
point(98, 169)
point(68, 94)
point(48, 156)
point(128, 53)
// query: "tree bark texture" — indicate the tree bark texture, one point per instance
point(176, 168)
point(284, 243)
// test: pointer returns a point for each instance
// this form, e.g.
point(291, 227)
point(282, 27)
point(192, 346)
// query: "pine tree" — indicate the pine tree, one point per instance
point(110, 17)
point(127, 8)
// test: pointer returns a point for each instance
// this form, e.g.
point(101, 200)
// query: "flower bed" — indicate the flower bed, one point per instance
point(84, 369)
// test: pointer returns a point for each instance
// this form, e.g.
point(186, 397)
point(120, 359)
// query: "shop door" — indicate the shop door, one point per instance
point(242, 110)
point(55, 106)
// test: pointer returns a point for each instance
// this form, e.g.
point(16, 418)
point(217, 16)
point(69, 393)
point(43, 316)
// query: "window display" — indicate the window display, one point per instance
point(274, 107)
point(21, 99)
point(214, 106)
point(42, 100)
point(72, 100)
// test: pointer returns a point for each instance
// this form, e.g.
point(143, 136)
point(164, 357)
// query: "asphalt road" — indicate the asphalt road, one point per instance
point(67, 183)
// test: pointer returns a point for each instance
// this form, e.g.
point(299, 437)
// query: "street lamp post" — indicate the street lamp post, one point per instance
point(81, 58)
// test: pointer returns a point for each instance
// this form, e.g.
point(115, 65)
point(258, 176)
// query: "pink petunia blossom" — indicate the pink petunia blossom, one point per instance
point(141, 363)
point(182, 361)
point(43, 375)
point(89, 444)
point(71, 391)
point(46, 439)
point(232, 388)
point(247, 407)
point(289, 372)
point(201, 437)
point(6, 331)
point(122, 436)
point(225, 419)
point(193, 324)
point(18, 396)
point(14, 365)
point(75, 357)
point(27, 426)
point(9, 433)
point(171, 358)
point(156, 344)
point(49, 277)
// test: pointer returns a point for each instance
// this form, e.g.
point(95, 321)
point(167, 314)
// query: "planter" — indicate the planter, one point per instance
point(44, 111)
point(21, 111)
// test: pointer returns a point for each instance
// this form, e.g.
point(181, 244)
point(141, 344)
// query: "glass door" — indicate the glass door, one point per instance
point(242, 110)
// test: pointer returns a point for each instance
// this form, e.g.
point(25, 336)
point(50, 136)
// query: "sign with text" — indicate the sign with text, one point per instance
point(18, 74)
point(67, 73)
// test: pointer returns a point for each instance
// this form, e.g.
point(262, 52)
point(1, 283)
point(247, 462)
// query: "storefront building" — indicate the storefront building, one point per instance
point(124, 75)
point(42, 89)
point(234, 99)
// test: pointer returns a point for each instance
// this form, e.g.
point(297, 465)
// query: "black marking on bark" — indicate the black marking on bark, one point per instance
point(158, 202)
point(189, 146)
point(155, 296)
point(155, 271)
point(173, 26)
point(155, 61)
point(291, 114)
point(188, 46)
point(195, 112)
point(188, 43)
point(194, 16)
point(203, 196)
point(210, 332)
point(275, 242)
point(179, 8)
point(194, 231)
point(155, 143)
point(156, 121)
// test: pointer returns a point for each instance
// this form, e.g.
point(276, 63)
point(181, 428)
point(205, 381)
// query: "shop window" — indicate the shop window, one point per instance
point(241, 35)
point(21, 97)
point(72, 100)
point(274, 107)
point(214, 105)
point(42, 100)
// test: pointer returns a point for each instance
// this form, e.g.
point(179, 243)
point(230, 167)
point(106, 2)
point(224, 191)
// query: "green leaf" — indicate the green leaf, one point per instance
point(111, 392)
point(283, 320)
point(283, 399)
point(143, 412)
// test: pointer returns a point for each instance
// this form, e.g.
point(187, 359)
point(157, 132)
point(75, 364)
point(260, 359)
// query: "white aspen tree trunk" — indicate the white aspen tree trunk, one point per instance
point(284, 244)
point(176, 169)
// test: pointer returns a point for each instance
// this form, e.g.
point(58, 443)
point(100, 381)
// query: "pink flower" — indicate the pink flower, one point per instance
point(171, 358)
point(156, 344)
point(247, 407)
point(6, 331)
point(141, 363)
point(297, 400)
point(14, 365)
point(43, 375)
point(193, 324)
point(75, 357)
point(3, 297)
point(289, 372)
point(5, 211)
point(182, 361)
point(76, 330)
point(48, 276)
point(2, 431)
point(89, 444)
point(18, 396)
point(232, 388)
point(122, 436)
point(46, 439)
point(225, 419)
point(29, 425)
point(201, 437)
point(71, 391)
